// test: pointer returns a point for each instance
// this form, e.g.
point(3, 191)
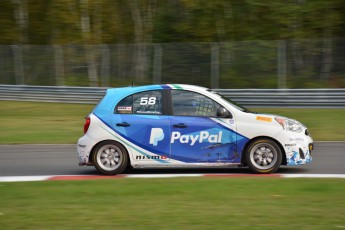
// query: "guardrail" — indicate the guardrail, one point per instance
point(316, 98)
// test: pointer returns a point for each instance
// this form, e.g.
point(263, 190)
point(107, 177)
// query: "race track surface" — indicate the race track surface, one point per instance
point(34, 160)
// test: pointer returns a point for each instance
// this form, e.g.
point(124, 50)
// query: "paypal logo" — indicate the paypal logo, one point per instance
point(199, 138)
point(157, 134)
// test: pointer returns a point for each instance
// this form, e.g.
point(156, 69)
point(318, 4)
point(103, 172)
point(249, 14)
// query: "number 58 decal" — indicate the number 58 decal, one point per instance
point(147, 100)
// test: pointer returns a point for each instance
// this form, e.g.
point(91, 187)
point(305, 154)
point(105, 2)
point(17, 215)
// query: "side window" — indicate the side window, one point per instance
point(125, 106)
point(149, 102)
point(186, 103)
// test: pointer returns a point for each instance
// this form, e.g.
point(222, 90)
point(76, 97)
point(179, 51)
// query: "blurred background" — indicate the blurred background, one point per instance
point(283, 57)
point(219, 44)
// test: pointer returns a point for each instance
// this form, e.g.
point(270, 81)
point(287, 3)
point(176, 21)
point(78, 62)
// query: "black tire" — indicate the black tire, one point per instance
point(263, 156)
point(110, 158)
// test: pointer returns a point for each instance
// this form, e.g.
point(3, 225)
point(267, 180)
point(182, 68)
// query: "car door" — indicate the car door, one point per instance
point(140, 119)
point(197, 134)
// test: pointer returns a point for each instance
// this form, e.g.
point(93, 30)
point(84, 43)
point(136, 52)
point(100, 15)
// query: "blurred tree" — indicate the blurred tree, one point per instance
point(22, 19)
point(63, 21)
point(8, 26)
point(143, 15)
point(88, 39)
point(142, 22)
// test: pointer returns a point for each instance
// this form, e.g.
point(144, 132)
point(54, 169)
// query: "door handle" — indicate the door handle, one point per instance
point(180, 125)
point(123, 124)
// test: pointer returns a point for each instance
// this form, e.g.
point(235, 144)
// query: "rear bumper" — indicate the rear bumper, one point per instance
point(84, 148)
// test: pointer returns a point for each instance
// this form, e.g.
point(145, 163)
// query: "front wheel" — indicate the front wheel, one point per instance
point(110, 158)
point(263, 156)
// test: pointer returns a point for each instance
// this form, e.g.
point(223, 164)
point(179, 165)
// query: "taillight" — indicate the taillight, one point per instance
point(87, 124)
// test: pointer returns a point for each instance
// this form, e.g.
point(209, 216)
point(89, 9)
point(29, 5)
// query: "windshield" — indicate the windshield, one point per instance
point(234, 104)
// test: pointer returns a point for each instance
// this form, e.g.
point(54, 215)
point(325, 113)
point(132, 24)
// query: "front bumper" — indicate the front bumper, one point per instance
point(298, 150)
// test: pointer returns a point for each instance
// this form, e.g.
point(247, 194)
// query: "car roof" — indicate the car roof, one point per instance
point(133, 89)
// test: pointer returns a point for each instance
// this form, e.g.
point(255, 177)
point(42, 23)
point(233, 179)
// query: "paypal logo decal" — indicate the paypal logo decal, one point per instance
point(157, 134)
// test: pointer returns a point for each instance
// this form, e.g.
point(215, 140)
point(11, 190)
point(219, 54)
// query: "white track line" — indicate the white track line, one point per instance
point(23, 178)
point(312, 175)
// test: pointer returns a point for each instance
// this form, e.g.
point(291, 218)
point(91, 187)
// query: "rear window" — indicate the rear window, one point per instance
point(145, 103)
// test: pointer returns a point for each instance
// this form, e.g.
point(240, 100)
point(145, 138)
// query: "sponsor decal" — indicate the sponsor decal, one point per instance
point(148, 112)
point(299, 157)
point(200, 138)
point(296, 139)
point(157, 134)
point(124, 109)
point(290, 145)
point(266, 119)
point(141, 157)
point(231, 121)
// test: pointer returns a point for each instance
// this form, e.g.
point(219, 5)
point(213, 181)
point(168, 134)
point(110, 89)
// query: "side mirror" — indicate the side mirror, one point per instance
point(223, 113)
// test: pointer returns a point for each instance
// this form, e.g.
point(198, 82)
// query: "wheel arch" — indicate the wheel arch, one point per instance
point(101, 142)
point(243, 155)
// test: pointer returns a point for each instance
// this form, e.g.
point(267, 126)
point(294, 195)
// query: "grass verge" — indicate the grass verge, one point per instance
point(54, 123)
point(41, 123)
point(176, 203)
point(323, 124)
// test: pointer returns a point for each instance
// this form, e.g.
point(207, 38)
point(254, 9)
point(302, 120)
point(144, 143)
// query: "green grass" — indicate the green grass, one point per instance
point(41, 123)
point(178, 203)
point(54, 123)
point(323, 124)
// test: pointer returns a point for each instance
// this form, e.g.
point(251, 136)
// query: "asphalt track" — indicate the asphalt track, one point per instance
point(35, 160)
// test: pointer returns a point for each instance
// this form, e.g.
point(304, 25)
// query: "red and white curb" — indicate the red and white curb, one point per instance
point(94, 177)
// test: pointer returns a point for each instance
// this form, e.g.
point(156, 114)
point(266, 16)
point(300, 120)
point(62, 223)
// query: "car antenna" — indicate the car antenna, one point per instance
point(132, 83)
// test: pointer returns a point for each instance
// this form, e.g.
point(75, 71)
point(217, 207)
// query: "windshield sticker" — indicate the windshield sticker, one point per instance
point(261, 118)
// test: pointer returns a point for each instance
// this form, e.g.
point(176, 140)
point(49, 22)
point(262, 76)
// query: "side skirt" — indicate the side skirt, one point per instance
point(191, 165)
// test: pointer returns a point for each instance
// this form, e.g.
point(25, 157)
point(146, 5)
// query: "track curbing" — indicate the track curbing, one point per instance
point(143, 176)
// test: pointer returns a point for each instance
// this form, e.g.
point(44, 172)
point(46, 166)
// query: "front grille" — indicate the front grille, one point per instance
point(301, 154)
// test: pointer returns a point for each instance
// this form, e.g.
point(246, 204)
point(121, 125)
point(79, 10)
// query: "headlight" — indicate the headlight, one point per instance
point(289, 125)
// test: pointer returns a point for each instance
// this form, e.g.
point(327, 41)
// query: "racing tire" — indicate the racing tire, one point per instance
point(263, 156)
point(110, 158)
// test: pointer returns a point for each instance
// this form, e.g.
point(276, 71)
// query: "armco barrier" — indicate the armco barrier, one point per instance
point(317, 98)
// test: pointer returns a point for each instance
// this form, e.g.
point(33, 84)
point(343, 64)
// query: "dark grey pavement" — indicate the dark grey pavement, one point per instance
point(34, 160)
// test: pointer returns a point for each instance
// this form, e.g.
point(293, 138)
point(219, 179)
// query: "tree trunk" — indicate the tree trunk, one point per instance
point(327, 59)
point(22, 18)
point(143, 24)
point(59, 64)
point(90, 51)
point(105, 69)
point(18, 64)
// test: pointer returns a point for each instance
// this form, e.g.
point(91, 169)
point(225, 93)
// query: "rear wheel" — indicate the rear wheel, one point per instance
point(263, 156)
point(110, 158)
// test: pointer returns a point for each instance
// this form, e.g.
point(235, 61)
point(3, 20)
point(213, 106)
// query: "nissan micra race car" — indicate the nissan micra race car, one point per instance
point(187, 126)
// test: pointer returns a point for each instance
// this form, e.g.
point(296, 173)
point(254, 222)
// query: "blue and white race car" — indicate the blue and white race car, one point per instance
point(187, 126)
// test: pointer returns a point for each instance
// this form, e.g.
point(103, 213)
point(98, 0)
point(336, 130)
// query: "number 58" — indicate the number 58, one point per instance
point(147, 100)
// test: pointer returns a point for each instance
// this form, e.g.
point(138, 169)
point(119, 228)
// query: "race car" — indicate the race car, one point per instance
point(177, 125)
